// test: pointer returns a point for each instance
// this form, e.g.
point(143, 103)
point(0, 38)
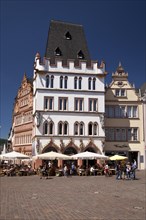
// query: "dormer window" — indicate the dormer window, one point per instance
point(68, 36)
point(80, 55)
point(58, 52)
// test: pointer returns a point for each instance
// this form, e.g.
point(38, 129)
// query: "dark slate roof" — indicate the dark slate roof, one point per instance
point(68, 40)
point(143, 89)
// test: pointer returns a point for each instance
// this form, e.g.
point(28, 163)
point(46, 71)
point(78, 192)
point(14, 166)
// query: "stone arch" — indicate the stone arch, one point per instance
point(92, 147)
point(70, 147)
point(51, 146)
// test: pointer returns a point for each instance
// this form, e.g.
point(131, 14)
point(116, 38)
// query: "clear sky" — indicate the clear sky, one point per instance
point(115, 31)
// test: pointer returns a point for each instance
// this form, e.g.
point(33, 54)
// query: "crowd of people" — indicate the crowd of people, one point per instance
point(121, 169)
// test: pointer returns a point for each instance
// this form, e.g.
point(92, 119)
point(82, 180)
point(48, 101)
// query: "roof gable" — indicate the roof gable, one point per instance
point(70, 40)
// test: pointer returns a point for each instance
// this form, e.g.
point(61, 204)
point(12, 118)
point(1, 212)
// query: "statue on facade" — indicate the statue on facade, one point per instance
point(38, 117)
point(81, 145)
point(61, 145)
point(102, 120)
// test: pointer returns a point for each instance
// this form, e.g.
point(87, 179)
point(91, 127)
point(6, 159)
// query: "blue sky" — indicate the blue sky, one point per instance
point(115, 31)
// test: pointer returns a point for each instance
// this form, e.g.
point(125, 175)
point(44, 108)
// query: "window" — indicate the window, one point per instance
point(94, 83)
point(81, 128)
point(47, 81)
point(51, 127)
point(48, 103)
point(75, 83)
point(120, 92)
point(90, 128)
point(92, 105)
point(115, 111)
point(78, 104)
point(132, 111)
point(61, 82)
point(95, 129)
point(63, 104)
point(58, 52)
point(60, 127)
point(80, 82)
point(65, 82)
point(133, 134)
point(63, 128)
point(45, 128)
point(89, 83)
point(121, 134)
point(68, 36)
point(80, 55)
point(52, 82)
point(78, 128)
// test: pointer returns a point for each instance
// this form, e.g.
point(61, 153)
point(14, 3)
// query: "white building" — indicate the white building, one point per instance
point(68, 94)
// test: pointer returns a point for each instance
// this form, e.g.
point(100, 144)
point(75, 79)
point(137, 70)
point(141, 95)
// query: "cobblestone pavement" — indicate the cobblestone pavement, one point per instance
point(73, 198)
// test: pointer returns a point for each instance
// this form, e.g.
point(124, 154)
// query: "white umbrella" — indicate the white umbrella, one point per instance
point(14, 155)
point(89, 156)
point(52, 156)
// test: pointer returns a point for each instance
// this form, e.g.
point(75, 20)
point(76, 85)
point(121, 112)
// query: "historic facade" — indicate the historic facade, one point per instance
point(124, 119)
point(68, 90)
point(22, 125)
point(143, 98)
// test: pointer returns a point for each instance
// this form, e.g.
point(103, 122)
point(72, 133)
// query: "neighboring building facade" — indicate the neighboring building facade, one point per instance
point(22, 126)
point(68, 90)
point(124, 119)
point(143, 98)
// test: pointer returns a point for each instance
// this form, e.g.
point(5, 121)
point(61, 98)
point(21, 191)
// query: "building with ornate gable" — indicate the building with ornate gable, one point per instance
point(124, 119)
point(22, 123)
point(68, 90)
point(143, 99)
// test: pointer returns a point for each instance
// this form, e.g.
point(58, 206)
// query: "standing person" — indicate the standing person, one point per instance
point(128, 170)
point(133, 168)
point(118, 171)
point(65, 170)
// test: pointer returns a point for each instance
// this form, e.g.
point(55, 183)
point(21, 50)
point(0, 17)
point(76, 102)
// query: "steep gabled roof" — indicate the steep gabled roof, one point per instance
point(143, 88)
point(66, 41)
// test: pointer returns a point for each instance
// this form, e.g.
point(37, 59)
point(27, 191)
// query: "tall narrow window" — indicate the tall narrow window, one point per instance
point(63, 104)
point(51, 128)
point(135, 134)
point(78, 104)
point(51, 104)
point(47, 81)
point(60, 128)
point(76, 128)
point(65, 82)
point(80, 82)
point(93, 105)
point(94, 83)
point(75, 83)
point(61, 82)
point(46, 103)
point(95, 128)
point(90, 128)
point(89, 83)
point(65, 128)
point(52, 81)
point(46, 128)
point(81, 128)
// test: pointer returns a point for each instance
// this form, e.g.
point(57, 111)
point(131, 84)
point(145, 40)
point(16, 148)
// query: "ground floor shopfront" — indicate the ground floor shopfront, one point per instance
point(133, 152)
